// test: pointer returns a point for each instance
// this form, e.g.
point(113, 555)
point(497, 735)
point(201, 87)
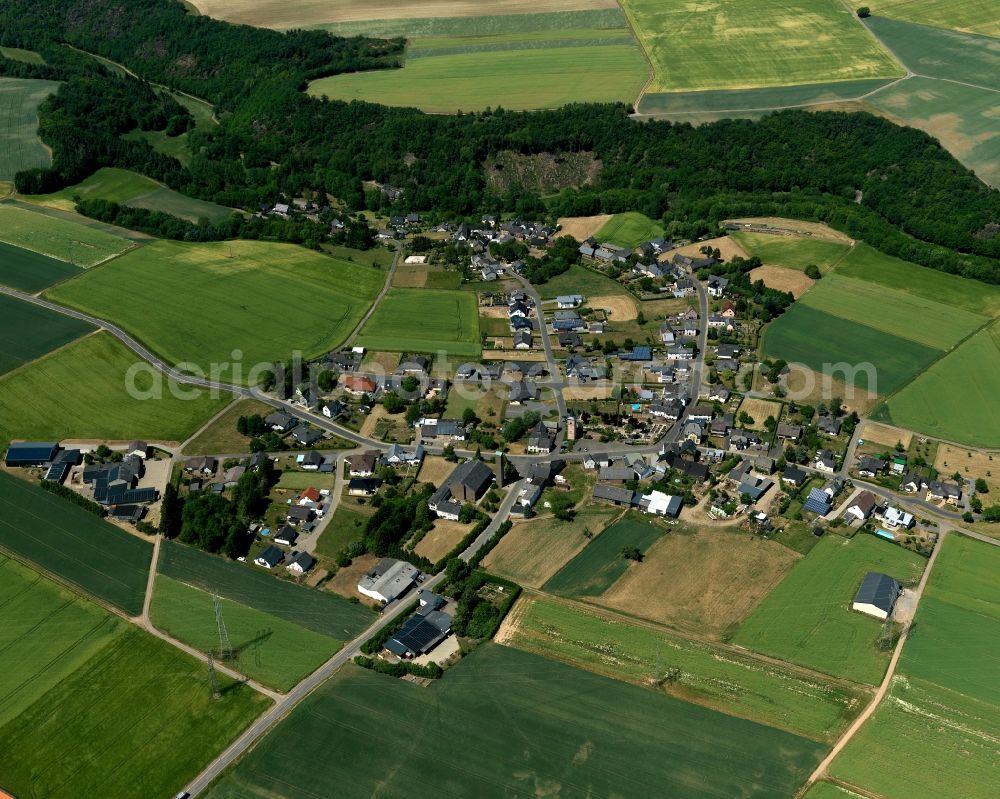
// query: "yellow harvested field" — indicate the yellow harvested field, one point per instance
point(282, 14)
point(972, 464)
point(886, 435)
point(618, 307)
point(655, 309)
point(435, 469)
point(588, 392)
point(345, 581)
point(410, 276)
point(817, 229)
point(441, 539)
point(536, 549)
point(582, 228)
point(760, 409)
point(780, 278)
point(705, 582)
point(726, 246)
point(810, 387)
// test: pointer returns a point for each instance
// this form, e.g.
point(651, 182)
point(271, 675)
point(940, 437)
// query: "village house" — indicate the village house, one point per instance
point(388, 580)
point(825, 462)
point(869, 466)
point(467, 483)
point(300, 562)
point(362, 464)
point(270, 557)
point(862, 506)
point(280, 422)
point(359, 385)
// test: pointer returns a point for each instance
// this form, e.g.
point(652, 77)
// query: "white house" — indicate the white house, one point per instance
point(569, 301)
point(894, 517)
point(388, 580)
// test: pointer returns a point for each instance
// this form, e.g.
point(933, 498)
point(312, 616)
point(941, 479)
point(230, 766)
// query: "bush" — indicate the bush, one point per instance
point(433, 670)
point(69, 494)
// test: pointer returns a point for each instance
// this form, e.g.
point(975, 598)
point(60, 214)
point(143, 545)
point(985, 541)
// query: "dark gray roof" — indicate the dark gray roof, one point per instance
point(879, 590)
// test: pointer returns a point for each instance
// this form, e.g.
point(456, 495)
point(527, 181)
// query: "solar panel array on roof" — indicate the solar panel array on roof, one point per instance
point(31, 453)
point(818, 502)
point(420, 634)
point(134, 495)
point(56, 473)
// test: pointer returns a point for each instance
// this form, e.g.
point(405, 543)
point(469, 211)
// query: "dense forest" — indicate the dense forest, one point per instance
point(916, 201)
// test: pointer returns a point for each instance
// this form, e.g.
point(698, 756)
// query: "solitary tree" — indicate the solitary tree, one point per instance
point(864, 12)
point(632, 553)
point(812, 271)
point(981, 486)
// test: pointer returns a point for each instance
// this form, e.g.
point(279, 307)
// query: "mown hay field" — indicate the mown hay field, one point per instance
point(200, 303)
point(969, 16)
point(944, 705)
point(808, 619)
point(629, 230)
point(76, 546)
point(20, 147)
point(424, 320)
point(81, 245)
point(136, 191)
point(73, 672)
point(723, 44)
point(28, 332)
point(708, 674)
point(793, 252)
point(573, 732)
point(266, 647)
point(93, 376)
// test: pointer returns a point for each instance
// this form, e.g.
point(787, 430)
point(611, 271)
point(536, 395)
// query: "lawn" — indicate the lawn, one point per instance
point(822, 341)
point(536, 549)
point(24, 56)
point(793, 252)
point(317, 611)
point(81, 245)
point(565, 732)
point(346, 527)
point(29, 271)
point(581, 280)
point(221, 437)
point(143, 708)
point(867, 263)
point(424, 320)
point(897, 312)
point(629, 230)
point(198, 303)
point(266, 647)
point(723, 45)
point(64, 540)
point(136, 191)
point(504, 70)
point(808, 619)
point(956, 398)
point(971, 16)
point(28, 332)
point(944, 705)
point(713, 675)
point(91, 378)
point(600, 564)
point(20, 147)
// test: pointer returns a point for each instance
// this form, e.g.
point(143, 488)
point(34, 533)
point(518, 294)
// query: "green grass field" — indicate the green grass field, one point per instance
point(267, 648)
point(724, 45)
point(808, 619)
point(20, 147)
point(34, 400)
point(24, 56)
point(28, 271)
point(600, 564)
point(956, 398)
point(897, 312)
point(710, 675)
point(962, 118)
point(970, 16)
point(318, 611)
point(697, 106)
point(198, 303)
point(74, 545)
point(28, 332)
point(629, 230)
point(937, 53)
point(867, 263)
point(565, 732)
point(581, 280)
point(424, 320)
point(792, 252)
point(136, 191)
point(819, 340)
point(74, 673)
point(944, 705)
point(222, 436)
point(80, 245)
point(829, 790)
point(505, 70)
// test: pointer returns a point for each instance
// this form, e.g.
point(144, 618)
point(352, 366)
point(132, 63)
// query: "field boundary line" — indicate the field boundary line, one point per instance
point(651, 75)
point(882, 45)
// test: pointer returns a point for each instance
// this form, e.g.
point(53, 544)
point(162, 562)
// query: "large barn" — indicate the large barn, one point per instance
point(877, 595)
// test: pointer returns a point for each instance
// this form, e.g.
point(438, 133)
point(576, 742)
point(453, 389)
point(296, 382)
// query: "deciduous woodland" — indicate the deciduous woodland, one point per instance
point(895, 187)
